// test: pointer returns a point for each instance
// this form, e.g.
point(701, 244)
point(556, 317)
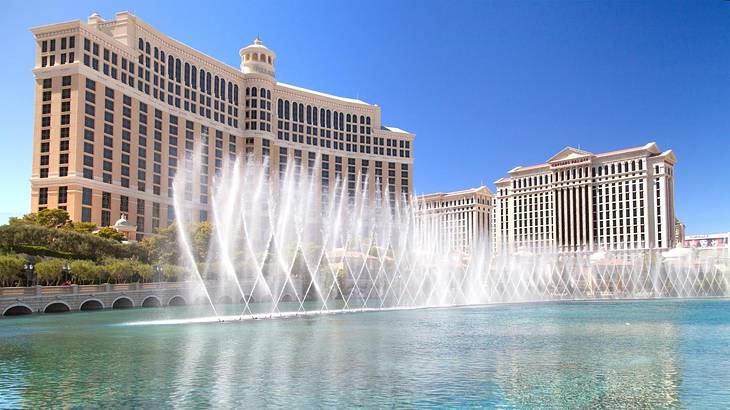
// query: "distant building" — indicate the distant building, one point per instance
point(457, 220)
point(580, 201)
point(121, 108)
point(708, 241)
point(679, 232)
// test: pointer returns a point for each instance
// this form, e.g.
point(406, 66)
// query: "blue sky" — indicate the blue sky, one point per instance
point(484, 85)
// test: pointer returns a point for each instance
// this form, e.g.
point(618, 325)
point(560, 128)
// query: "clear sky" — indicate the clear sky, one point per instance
point(484, 85)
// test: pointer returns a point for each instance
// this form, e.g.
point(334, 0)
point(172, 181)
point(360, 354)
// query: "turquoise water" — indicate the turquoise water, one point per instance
point(579, 355)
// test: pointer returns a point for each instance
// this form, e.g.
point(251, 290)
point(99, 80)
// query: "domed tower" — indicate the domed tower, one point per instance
point(257, 62)
point(257, 58)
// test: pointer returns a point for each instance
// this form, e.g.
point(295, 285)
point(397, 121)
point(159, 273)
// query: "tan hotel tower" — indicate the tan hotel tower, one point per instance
point(120, 109)
point(579, 201)
point(458, 221)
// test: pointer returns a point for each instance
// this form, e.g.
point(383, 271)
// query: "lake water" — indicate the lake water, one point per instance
point(667, 353)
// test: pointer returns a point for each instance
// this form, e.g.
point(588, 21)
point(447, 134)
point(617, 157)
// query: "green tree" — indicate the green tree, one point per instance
point(142, 271)
point(162, 247)
point(117, 270)
point(39, 240)
point(10, 266)
point(110, 233)
point(49, 271)
point(173, 273)
point(25, 219)
point(202, 232)
point(81, 227)
point(84, 271)
point(52, 217)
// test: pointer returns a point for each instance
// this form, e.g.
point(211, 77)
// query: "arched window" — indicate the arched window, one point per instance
point(230, 92)
point(178, 67)
point(314, 115)
point(207, 83)
point(362, 119)
point(162, 56)
point(342, 122)
point(235, 94)
point(147, 47)
point(170, 67)
point(254, 92)
point(295, 113)
point(280, 108)
point(194, 77)
point(367, 120)
point(633, 165)
point(336, 118)
point(223, 89)
point(322, 117)
point(348, 118)
point(187, 74)
point(309, 114)
point(141, 44)
point(215, 87)
point(202, 80)
point(157, 52)
point(286, 109)
point(262, 93)
point(301, 112)
point(268, 94)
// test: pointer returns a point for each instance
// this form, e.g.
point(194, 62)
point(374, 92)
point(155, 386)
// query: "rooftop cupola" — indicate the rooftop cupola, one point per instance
point(257, 58)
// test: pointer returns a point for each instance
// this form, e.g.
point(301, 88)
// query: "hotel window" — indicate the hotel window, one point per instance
point(43, 196)
point(62, 194)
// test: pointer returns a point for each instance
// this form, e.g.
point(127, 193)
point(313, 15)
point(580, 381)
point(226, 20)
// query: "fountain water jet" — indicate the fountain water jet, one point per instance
point(301, 250)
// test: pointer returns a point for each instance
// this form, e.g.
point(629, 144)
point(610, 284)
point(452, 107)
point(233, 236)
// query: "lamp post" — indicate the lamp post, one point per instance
point(29, 274)
point(66, 273)
point(158, 273)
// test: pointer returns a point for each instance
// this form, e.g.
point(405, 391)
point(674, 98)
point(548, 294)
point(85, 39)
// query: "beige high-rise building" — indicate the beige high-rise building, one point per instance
point(121, 108)
point(457, 220)
point(580, 201)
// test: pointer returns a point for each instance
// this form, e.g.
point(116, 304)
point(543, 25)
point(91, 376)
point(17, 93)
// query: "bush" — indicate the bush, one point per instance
point(84, 271)
point(49, 271)
point(45, 241)
point(10, 267)
point(173, 273)
point(110, 233)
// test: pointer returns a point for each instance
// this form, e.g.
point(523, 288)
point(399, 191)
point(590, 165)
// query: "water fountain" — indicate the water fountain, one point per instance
point(288, 248)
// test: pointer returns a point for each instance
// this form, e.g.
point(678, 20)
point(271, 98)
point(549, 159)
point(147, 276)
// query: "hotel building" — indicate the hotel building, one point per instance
point(121, 108)
point(580, 201)
point(457, 220)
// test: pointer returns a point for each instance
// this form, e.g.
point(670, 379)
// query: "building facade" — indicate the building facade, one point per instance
point(708, 241)
point(580, 201)
point(122, 108)
point(458, 221)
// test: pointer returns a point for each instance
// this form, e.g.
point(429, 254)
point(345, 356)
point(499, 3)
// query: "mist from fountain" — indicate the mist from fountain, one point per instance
point(284, 247)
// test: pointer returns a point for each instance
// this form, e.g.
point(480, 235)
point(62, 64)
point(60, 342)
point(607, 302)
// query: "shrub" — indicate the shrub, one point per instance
point(110, 233)
point(49, 271)
point(45, 241)
point(84, 271)
point(10, 267)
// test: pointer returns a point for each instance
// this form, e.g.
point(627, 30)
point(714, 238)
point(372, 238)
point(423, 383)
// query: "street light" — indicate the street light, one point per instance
point(158, 273)
point(66, 273)
point(29, 274)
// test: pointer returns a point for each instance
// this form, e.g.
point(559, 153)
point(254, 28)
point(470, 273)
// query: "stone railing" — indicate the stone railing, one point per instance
point(14, 292)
